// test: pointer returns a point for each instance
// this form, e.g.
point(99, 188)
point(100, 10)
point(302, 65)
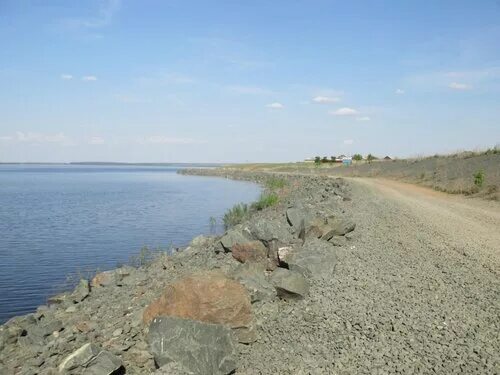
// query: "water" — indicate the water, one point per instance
point(61, 220)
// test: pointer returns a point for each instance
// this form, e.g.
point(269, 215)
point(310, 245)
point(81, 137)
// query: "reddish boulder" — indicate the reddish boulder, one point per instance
point(253, 251)
point(207, 297)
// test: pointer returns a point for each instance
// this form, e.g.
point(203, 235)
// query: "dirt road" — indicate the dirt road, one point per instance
point(424, 274)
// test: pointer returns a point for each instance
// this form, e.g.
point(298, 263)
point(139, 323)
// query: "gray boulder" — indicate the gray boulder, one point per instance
point(339, 226)
point(289, 284)
point(270, 230)
point(173, 368)
point(316, 258)
point(200, 348)
point(253, 278)
point(236, 235)
point(91, 360)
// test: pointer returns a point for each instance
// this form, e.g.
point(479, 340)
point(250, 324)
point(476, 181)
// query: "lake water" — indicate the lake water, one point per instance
point(63, 220)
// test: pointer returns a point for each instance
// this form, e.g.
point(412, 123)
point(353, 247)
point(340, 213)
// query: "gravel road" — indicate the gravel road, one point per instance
point(416, 291)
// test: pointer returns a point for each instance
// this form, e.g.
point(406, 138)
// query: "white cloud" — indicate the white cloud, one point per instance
point(275, 105)
point(345, 111)
point(348, 142)
point(95, 141)
point(89, 78)
point(363, 118)
point(66, 76)
point(325, 99)
point(6, 138)
point(32, 137)
point(400, 91)
point(160, 139)
point(459, 86)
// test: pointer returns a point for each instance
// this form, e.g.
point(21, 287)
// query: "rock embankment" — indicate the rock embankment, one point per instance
point(198, 311)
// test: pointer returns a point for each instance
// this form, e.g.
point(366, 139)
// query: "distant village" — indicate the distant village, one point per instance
point(344, 159)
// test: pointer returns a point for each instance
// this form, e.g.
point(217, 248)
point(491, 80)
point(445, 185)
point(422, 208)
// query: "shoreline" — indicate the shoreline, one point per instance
point(332, 278)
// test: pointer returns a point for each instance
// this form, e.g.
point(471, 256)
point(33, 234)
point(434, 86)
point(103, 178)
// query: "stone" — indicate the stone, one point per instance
point(268, 230)
point(79, 357)
point(105, 363)
point(81, 291)
point(253, 251)
point(339, 226)
point(200, 241)
point(92, 361)
point(45, 328)
point(253, 278)
point(338, 240)
point(236, 235)
point(196, 347)
point(316, 258)
point(209, 297)
point(289, 284)
point(105, 278)
point(172, 368)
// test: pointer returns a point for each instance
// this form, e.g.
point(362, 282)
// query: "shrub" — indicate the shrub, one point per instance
point(275, 183)
point(265, 200)
point(479, 178)
point(357, 157)
point(235, 215)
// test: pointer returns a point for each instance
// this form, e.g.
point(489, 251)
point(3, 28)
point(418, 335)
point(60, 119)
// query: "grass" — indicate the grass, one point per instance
point(235, 215)
point(479, 178)
point(274, 183)
point(241, 211)
point(265, 200)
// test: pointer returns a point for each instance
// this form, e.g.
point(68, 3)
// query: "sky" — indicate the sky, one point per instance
point(246, 81)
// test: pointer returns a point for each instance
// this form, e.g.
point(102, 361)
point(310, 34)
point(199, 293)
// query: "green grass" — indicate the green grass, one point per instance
point(479, 178)
point(265, 200)
point(274, 183)
point(235, 215)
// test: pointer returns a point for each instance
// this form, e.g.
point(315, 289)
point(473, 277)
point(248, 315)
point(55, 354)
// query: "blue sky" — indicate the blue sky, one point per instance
point(236, 81)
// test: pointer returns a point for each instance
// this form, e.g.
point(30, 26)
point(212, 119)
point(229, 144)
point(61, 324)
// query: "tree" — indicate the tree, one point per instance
point(317, 160)
point(357, 157)
point(324, 160)
point(370, 158)
point(332, 158)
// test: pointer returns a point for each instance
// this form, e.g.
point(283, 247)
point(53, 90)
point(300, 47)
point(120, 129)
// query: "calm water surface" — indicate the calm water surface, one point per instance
point(60, 220)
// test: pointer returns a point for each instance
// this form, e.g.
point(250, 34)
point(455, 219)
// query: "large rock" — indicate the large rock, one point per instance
point(268, 230)
point(253, 251)
point(236, 235)
point(300, 219)
point(289, 284)
point(91, 360)
point(196, 347)
point(208, 297)
point(252, 277)
point(79, 357)
point(105, 278)
point(173, 368)
point(316, 258)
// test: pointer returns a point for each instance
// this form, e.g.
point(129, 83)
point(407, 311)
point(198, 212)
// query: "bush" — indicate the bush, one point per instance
point(357, 157)
point(275, 183)
point(235, 215)
point(479, 178)
point(265, 200)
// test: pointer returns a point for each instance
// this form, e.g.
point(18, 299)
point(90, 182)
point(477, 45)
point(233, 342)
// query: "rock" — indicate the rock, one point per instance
point(79, 358)
point(206, 296)
point(173, 368)
point(45, 328)
point(81, 291)
point(315, 258)
point(105, 278)
point(253, 251)
point(200, 241)
point(338, 240)
point(300, 219)
point(252, 277)
point(268, 230)
point(104, 363)
point(236, 235)
point(92, 361)
point(289, 284)
point(339, 226)
point(197, 347)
